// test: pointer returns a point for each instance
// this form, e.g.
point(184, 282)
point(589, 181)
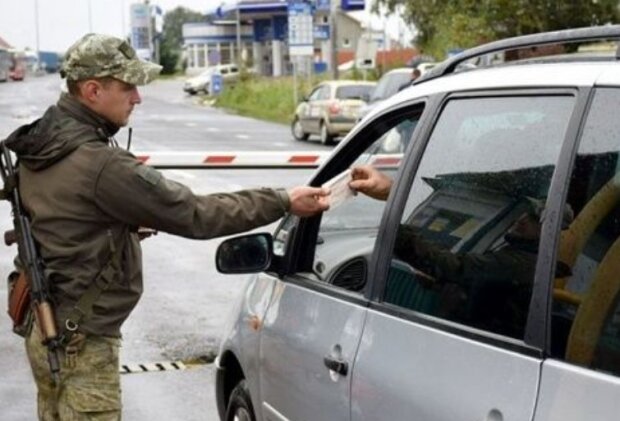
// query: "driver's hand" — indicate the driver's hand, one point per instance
point(370, 181)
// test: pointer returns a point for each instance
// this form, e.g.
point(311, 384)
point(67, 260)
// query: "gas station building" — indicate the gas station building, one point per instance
point(260, 29)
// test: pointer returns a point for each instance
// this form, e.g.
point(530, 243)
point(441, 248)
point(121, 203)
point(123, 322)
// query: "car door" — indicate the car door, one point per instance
point(305, 113)
point(446, 336)
point(311, 330)
point(581, 379)
point(318, 107)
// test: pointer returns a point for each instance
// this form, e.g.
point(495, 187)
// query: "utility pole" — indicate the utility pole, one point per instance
point(36, 29)
point(239, 63)
point(150, 28)
point(90, 17)
point(333, 32)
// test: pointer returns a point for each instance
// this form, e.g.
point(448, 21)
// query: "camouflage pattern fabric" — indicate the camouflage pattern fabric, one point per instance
point(89, 387)
point(98, 55)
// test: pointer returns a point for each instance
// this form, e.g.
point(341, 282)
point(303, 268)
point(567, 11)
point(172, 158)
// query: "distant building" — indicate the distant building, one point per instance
point(263, 40)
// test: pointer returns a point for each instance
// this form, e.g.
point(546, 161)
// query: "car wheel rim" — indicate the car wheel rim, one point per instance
point(242, 414)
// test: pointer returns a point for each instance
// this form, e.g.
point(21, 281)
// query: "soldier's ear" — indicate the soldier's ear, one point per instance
point(91, 90)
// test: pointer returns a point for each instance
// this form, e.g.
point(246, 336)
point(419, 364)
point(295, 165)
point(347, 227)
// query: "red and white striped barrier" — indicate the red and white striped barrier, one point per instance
point(248, 159)
point(237, 159)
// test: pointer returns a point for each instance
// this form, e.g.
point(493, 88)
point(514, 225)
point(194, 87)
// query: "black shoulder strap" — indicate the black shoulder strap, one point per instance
point(84, 307)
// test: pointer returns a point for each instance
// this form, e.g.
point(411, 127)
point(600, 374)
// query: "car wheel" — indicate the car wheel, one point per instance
point(326, 138)
point(206, 88)
point(240, 404)
point(298, 131)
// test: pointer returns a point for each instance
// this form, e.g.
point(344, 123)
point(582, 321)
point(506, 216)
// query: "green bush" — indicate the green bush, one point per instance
point(264, 98)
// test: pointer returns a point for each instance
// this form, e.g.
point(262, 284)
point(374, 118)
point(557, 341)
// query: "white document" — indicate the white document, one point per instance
point(340, 190)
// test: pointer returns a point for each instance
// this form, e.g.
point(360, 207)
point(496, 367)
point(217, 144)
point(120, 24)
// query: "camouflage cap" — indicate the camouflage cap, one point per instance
point(98, 55)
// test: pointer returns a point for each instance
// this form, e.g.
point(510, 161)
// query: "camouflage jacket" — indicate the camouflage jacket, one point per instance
point(78, 189)
point(498, 283)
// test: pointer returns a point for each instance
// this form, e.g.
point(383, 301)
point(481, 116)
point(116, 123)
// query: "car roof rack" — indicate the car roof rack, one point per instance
point(566, 36)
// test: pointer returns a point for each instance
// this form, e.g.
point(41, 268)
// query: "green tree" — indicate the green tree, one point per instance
point(446, 24)
point(172, 36)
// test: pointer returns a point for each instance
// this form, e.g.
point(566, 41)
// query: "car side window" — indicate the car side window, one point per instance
point(348, 231)
point(315, 94)
point(325, 92)
point(585, 318)
point(467, 243)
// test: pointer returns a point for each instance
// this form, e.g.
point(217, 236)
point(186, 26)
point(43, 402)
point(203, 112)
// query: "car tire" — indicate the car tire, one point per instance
point(206, 89)
point(240, 404)
point(326, 137)
point(298, 131)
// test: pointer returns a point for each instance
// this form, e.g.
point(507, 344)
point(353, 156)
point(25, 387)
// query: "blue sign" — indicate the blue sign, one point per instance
point(263, 30)
point(322, 5)
point(347, 5)
point(321, 31)
point(280, 27)
point(217, 84)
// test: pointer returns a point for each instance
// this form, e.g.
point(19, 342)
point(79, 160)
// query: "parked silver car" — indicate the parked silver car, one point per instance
point(486, 287)
point(201, 83)
point(331, 110)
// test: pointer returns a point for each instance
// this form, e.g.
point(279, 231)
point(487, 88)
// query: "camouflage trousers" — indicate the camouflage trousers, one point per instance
point(89, 387)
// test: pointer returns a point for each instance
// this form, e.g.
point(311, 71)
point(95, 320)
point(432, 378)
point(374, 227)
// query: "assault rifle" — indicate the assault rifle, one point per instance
point(31, 262)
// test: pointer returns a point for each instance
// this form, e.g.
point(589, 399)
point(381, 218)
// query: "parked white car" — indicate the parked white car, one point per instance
point(485, 287)
point(201, 83)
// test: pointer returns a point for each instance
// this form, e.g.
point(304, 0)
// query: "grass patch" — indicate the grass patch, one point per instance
point(265, 99)
point(269, 99)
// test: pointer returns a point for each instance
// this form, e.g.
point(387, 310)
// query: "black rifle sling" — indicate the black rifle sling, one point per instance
point(83, 308)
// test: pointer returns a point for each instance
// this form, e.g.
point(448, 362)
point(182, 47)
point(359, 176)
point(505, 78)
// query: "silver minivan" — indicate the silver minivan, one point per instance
point(486, 286)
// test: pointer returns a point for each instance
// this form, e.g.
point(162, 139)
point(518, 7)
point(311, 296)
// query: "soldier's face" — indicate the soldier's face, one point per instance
point(115, 101)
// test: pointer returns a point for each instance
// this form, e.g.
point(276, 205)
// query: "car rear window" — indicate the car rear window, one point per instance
point(353, 91)
point(389, 84)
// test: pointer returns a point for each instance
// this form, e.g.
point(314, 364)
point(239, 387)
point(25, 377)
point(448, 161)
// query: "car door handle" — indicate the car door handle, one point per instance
point(339, 366)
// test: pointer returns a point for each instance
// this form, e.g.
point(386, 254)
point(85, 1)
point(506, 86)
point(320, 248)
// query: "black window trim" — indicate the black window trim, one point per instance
point(292, 265)
point(537, 327)
point(542, 296)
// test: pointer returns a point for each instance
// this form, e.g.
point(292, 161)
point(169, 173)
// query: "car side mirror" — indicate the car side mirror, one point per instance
point(304, 99)
point(246, 254)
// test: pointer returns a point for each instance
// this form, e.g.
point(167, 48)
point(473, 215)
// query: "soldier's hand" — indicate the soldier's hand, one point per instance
point(370, 181)
point(308, 201)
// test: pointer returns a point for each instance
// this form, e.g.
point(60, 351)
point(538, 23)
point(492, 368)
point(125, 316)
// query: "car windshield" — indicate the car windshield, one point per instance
point(353, 91)
point(389, 84)
point(207, 72)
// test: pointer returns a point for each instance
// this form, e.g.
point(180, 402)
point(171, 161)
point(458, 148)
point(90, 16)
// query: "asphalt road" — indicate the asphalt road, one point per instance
point(186, 302)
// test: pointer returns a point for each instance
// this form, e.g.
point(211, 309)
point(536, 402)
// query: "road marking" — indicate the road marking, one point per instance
point(167, 365)
point(191, 124)
point(281, 144)
point(145, 368)
point(242, 136)
point(213, 129)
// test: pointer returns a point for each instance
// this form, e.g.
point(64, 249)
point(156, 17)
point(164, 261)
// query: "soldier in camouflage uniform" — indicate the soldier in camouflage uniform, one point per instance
point(86, 197)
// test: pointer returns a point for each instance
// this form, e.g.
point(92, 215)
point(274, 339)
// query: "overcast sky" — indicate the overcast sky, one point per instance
point(61, 22)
